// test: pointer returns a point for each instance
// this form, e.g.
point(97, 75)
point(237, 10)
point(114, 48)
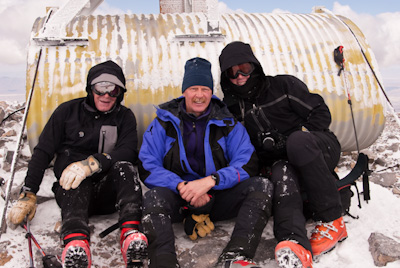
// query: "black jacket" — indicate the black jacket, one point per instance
point(280, 103)
point(76, 130)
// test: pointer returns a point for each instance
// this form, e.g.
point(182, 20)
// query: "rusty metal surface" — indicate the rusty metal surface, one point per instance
point(152, 50)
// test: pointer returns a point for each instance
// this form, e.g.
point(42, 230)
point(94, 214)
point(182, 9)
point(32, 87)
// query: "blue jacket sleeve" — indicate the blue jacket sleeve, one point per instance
point(243, 161)
point(154, 147)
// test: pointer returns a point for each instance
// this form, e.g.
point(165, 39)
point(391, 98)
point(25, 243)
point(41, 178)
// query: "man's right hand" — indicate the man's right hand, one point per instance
point(25, 206)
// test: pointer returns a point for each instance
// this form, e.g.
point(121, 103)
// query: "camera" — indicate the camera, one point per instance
point(266, 141)
point(272, 141)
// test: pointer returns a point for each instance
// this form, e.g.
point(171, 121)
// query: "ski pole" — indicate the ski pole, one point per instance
point(339, 59)
point(3, 225)
point(29, 236)
point(34, 240)
point(49, 261)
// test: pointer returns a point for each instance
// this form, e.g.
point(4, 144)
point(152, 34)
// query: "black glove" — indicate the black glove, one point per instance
point(197, 221)
point(198, 225)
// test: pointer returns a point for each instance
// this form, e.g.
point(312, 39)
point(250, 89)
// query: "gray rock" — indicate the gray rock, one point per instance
point(2, 114)
point(10, 133)
point(394, 147)
point(383, 249)
point(386, 179)
point(380, 161)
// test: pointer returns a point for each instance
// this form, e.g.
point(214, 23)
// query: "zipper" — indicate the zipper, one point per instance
point(103, 132)
point(255, 118)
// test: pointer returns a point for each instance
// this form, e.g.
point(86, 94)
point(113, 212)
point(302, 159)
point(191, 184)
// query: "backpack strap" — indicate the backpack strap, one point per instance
point(360, 169)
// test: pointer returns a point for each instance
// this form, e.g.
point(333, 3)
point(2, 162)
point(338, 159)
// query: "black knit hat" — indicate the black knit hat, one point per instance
point(197, 73)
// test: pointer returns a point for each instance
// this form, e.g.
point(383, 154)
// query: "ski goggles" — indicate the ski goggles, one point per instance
point(244, 69)
point(102, 88)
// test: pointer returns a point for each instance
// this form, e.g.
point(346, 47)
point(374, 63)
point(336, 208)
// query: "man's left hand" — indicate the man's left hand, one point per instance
point(194, 191)
point(76, 172)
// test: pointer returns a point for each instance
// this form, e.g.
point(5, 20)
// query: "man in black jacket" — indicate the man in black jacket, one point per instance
point(94, 140)
point(289, 126)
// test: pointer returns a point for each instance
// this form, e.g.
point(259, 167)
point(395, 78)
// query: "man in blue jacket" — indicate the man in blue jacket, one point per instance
point(201, 167)
point(94, 140)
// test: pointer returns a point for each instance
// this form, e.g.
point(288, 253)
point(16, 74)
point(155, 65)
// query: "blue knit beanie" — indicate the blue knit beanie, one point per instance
point(197, 73)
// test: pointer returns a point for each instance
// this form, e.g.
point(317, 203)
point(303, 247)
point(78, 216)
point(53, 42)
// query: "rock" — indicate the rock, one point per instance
point(4, 254)
point(385, 179)
point(10, 133)
point(380, 148)
point(8, 156)
point(383, 249)
point(12, 124)
point(2, 114)
point(394, 147)
point(396, 189)
point(3, 105)
point(380, 161)
point(370, 153)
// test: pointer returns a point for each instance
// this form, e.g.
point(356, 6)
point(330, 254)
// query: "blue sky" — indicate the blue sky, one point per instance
point(250, 6)
point(379, 21)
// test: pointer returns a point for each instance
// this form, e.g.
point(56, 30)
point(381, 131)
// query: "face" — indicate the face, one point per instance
point(240, 80)
point(239, 74)
point(197, 99)
point(104, 103)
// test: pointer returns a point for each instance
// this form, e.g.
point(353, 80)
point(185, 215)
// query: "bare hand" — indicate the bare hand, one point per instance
point(195, 191)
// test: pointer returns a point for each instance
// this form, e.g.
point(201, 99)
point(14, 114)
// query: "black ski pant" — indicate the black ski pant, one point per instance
point(249, 201)
point(305, 178)
point(118, 190)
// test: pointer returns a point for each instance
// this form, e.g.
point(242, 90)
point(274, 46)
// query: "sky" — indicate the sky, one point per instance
point(378, 20)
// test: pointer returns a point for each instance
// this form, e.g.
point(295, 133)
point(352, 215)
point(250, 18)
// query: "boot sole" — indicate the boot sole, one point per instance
point(136, 254)
point(286, 258)
point(76, 258)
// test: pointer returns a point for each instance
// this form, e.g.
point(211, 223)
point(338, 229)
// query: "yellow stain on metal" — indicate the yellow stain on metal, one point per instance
point(152, 56)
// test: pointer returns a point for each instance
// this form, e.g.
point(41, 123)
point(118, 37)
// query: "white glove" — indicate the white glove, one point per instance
point(76, 172)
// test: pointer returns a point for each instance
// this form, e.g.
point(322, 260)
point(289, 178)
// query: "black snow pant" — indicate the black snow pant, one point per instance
point(312, 157)
point(118, 190)
point(249, 201)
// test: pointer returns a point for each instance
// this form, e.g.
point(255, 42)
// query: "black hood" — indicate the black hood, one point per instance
point(233, 54)
point(237, 53)
point(108, 67)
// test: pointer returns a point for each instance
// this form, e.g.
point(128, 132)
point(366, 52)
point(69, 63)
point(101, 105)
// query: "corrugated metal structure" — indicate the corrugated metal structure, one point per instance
point(152, 50)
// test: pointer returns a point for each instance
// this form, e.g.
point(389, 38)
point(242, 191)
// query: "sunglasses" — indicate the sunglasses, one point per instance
point(102, 88)
point(244, 69)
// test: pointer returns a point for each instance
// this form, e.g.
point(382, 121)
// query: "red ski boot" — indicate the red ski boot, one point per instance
point(325, 236)
point(133, 247)
point(76, 253)
point(290, 254)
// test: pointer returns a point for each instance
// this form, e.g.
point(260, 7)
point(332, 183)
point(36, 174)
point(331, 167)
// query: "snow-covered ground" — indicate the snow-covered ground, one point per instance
point(381, 214)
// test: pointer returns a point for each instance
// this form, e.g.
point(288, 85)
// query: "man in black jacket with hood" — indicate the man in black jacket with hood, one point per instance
point(289, 127)
point(94, 140)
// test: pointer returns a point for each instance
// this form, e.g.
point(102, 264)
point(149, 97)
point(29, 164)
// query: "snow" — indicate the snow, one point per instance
point(380, 214)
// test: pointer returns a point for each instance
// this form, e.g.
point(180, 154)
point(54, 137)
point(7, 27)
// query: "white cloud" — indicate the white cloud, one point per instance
point(381, 32)
point(105, 9)
point(278, 10)
point(11, 52)
point(223, 8)
point(16, 21)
